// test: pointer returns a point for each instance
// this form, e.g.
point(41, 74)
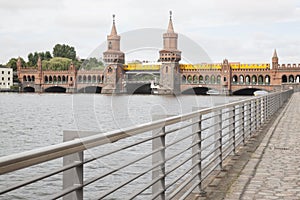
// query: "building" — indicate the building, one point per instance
point(6, 78)
point(168, 76)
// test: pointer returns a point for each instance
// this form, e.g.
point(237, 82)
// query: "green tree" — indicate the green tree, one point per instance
point(12, 63)
point(56, 63)
point(33, 57)
point(65, 51)
point(92, 63)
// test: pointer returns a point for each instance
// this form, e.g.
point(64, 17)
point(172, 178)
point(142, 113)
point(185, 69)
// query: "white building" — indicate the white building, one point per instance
point(6, 78)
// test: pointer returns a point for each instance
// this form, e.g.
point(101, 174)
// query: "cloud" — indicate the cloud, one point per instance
point(243, 30)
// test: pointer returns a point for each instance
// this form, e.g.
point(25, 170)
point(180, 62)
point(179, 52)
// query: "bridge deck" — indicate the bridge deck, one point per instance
point(273, 169)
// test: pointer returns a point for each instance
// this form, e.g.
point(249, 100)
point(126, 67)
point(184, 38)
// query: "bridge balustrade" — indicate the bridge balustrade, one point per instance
point(179, 166)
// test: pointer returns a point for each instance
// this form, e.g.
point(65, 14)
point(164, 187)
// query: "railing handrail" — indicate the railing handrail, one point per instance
point(36, 156)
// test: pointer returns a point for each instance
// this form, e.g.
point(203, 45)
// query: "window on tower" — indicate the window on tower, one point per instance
point(109, 45)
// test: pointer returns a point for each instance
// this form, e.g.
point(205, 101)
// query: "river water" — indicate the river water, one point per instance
point(29, 121)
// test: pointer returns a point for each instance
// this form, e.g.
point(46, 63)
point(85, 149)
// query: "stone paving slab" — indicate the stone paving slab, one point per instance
point(273, 171)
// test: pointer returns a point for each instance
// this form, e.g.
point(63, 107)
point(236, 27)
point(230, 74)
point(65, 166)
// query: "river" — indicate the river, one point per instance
point(30, 120)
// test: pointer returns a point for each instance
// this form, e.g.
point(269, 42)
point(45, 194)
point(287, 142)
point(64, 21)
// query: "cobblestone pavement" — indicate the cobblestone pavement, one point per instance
point(273, 172)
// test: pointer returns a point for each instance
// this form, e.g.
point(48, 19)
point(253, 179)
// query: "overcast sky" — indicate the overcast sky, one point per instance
point(239, 30)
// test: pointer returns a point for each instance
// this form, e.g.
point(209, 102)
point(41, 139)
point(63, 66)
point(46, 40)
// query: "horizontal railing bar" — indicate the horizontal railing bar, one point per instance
point(66, 191)
point(87, 182)
point(181, 163)
point(129, 181)
point(182, 127)
point(122, 148)
point(38, 178)
point(146, 187)
point(155, 195)
point(181, 139)
point(189, 191)
point(211, 152)
point(183, 174)
point(183, 185)
point(209, 144)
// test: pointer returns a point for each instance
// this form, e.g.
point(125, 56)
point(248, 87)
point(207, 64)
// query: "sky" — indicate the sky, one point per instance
point(245, 30)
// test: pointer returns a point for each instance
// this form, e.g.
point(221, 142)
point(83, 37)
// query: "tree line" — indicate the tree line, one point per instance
point(60, 59)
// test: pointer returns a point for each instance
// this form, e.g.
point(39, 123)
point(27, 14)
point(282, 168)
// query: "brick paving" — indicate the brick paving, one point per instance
point(273, 171)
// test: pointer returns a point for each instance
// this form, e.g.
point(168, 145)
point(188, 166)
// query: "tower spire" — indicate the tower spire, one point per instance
point(170, 27)
point(113, 29)
point(275, 54)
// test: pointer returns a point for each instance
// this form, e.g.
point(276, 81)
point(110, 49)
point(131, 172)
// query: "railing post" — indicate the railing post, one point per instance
point(233, 127)
point(244, 122)
point(159, 143)
point(73, 176)
point(197, 137)
point(219, 117)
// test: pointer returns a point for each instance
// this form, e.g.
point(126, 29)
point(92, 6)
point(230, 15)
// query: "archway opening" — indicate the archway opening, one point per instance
point(56, 89)
point(28, 89)
point(196, 91)
point(90, 89)
point(245, 91)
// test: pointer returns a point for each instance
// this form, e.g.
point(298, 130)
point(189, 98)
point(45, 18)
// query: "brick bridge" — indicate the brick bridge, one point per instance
point(172, 76)
point(225, 78)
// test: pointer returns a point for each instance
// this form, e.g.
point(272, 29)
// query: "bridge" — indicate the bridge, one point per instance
point(179, 157)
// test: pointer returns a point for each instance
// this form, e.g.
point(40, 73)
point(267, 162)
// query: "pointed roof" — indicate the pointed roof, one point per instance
point(170, 27)
point(113, 29)
point(275, 54)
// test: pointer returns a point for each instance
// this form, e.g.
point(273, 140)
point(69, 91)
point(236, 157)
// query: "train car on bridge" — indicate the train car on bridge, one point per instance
point(142, 66)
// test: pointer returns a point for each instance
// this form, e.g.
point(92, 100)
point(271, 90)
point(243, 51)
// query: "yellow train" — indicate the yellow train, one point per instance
point(142, 67)
point(218, 66)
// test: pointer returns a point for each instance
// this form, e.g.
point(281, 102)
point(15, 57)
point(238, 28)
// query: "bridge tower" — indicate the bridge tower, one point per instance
point(226, 76)
point(114, 60)
point(38, 79)
point(275, 60)
point(19, 66)
point(170, 57)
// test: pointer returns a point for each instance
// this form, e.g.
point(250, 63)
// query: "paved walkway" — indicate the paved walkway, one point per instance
point(273, 172)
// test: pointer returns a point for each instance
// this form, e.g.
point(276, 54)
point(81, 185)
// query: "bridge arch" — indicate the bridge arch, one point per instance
point(200, 79)
point(234, 79)
point(206, 79)
point(267, 80)
point(254, 80)
point(247, 79)
point(241, 79)
point(196, 91)
point(28, 89)
point(189, 79)
point(291, 79)
point(195, 79)
point(56, 89)
point(284, 79)
point(183, 79)
point(246, 91)
point(90, 89)
point(260, 79)
point(218, 79)
point(213, 79)
point(297, 79)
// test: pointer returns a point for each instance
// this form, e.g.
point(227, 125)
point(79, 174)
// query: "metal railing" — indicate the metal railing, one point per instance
point(176, 155)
